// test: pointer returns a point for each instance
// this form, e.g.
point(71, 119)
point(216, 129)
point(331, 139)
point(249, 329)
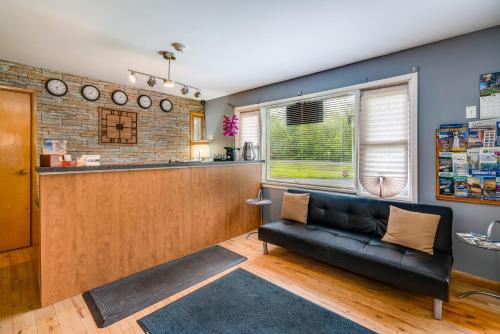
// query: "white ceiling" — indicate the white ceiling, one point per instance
point(232, 45)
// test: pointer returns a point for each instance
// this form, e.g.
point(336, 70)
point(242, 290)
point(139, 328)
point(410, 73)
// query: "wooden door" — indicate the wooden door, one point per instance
point(15, 169)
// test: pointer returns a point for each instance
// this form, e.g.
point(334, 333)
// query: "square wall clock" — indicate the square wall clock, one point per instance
point(117, 126)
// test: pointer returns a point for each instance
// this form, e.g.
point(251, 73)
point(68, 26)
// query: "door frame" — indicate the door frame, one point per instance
point(33, 125)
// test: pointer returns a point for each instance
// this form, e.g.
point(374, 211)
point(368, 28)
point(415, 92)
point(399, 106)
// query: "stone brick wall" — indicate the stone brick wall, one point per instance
point(161, 136)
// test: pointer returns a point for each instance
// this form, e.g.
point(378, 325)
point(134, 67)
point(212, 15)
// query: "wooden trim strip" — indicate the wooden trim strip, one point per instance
point(476, 280)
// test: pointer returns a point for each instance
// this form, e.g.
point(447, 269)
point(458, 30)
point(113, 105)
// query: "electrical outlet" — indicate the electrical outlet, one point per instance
point(470, 112)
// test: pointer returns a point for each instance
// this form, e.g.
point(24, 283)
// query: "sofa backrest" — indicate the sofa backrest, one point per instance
point(370, 216)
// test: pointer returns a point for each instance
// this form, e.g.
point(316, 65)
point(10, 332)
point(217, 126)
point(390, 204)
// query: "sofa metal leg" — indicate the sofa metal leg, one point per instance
point(264, 245)
point(438, 309)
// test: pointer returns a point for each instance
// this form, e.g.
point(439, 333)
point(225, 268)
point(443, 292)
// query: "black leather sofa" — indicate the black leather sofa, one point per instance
point(346, 231)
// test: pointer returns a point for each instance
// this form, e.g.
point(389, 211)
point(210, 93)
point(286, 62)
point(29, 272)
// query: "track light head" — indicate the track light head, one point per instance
point(184, 90)
point(132, 77)
point(168, 83)
point(197, 94)
point(151, 81)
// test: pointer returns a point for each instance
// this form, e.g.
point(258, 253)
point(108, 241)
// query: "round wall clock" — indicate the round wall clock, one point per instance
point(119, 97)
point(90, 93)
point(56, 87)
point(166, 105)
point(144, 101)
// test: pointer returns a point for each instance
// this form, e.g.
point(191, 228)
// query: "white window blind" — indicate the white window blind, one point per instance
point(249, 127)
point(310, 142)
point(384, 141)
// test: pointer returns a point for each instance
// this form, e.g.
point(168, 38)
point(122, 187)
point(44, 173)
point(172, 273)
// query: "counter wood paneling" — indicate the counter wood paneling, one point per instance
point(99, 227)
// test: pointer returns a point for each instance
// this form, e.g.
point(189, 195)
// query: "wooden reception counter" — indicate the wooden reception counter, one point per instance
point(94, 225)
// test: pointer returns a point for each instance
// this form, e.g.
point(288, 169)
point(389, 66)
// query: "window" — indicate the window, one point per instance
point(384, 141)
point(249, 127)
point(360, 139)
point(311, 142)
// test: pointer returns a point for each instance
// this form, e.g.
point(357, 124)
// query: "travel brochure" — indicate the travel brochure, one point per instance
point(469, 160)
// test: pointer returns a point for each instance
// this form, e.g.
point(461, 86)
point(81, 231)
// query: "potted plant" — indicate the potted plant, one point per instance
point(230, 130)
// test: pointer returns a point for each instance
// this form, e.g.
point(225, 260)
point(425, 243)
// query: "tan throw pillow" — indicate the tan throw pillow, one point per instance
point(411, 229)
point(295, 207)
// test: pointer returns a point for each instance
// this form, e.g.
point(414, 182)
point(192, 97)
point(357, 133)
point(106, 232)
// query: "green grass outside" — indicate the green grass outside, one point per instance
point(310, 169)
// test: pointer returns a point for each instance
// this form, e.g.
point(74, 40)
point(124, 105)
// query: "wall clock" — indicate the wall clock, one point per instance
point(56, 87)
point(119, 97)
point(166, 105)
point(117, 126)
point(90, 93)
point(144, 101)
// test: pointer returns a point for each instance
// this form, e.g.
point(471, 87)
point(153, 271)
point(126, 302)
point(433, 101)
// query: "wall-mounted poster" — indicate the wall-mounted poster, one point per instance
point(489, 92)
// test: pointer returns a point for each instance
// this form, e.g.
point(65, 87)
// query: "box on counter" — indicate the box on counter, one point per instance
point(51, 160)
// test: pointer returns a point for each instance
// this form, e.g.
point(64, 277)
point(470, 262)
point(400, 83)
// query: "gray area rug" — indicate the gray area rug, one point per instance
point(119, 299)
point(241, 302)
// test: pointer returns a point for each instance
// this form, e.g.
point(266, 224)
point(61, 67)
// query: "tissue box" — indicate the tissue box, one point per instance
point(50, 160)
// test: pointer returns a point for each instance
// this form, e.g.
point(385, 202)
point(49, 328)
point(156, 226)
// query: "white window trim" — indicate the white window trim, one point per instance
point(411, 79)
point(249, 108)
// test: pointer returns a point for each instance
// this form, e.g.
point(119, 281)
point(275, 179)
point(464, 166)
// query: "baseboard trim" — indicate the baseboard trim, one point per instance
point(476, 280)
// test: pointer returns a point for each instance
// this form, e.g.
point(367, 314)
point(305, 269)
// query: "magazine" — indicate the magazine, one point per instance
point(446, 185)
point(482, 133)
point(453, 137)
point(479, 240)
point(445, 164)
point(460, 164)
point(461, 186)
point(497, 153)
point(498, 188)
point(483, 124)
point(498, 132)
point(474, 186)
point(473, 159)
point(489, 188)
point(487, 161)
point(475, 138)
point(489, 138)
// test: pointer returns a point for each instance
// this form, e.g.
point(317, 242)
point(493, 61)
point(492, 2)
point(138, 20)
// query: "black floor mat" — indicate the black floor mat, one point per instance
point(119, 299)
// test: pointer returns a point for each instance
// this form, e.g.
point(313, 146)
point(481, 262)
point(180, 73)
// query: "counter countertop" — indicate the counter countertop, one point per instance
point(127, 167)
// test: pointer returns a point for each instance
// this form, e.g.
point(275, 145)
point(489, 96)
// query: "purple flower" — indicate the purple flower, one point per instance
point(230, 126)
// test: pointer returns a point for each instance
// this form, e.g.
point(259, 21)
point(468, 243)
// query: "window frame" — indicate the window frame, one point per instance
point(411, 79)
point(251, 108)
point(306, 185)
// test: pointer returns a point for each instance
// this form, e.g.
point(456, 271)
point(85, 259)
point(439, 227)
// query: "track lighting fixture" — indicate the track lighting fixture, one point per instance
point(151, 81)
point(167, 82)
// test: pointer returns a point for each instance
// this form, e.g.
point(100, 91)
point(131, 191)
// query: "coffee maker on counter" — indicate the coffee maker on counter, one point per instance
point(249, 151)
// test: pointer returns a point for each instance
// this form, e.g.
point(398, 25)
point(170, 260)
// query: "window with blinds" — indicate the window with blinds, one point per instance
point(311, 142)
point(249, 127)
point(384, 141)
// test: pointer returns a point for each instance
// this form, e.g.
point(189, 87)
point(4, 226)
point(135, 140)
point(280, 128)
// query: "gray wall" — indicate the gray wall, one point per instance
point(448, 81)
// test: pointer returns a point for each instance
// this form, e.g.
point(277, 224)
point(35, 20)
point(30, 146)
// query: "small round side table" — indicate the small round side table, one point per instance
point(259, 201)
point(484, 242)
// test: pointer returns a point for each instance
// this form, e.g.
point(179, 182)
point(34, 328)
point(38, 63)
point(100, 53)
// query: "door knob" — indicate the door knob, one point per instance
point(23, 171)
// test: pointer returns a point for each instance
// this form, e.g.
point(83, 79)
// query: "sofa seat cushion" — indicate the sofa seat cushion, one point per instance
point(364, 254)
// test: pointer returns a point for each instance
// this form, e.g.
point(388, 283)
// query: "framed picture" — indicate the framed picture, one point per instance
point(54, 146)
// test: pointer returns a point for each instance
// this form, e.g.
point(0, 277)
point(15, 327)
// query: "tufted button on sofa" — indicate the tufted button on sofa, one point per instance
point(346, 231)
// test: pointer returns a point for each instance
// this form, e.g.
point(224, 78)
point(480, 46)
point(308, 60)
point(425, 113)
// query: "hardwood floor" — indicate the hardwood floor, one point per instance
point(375, 305)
